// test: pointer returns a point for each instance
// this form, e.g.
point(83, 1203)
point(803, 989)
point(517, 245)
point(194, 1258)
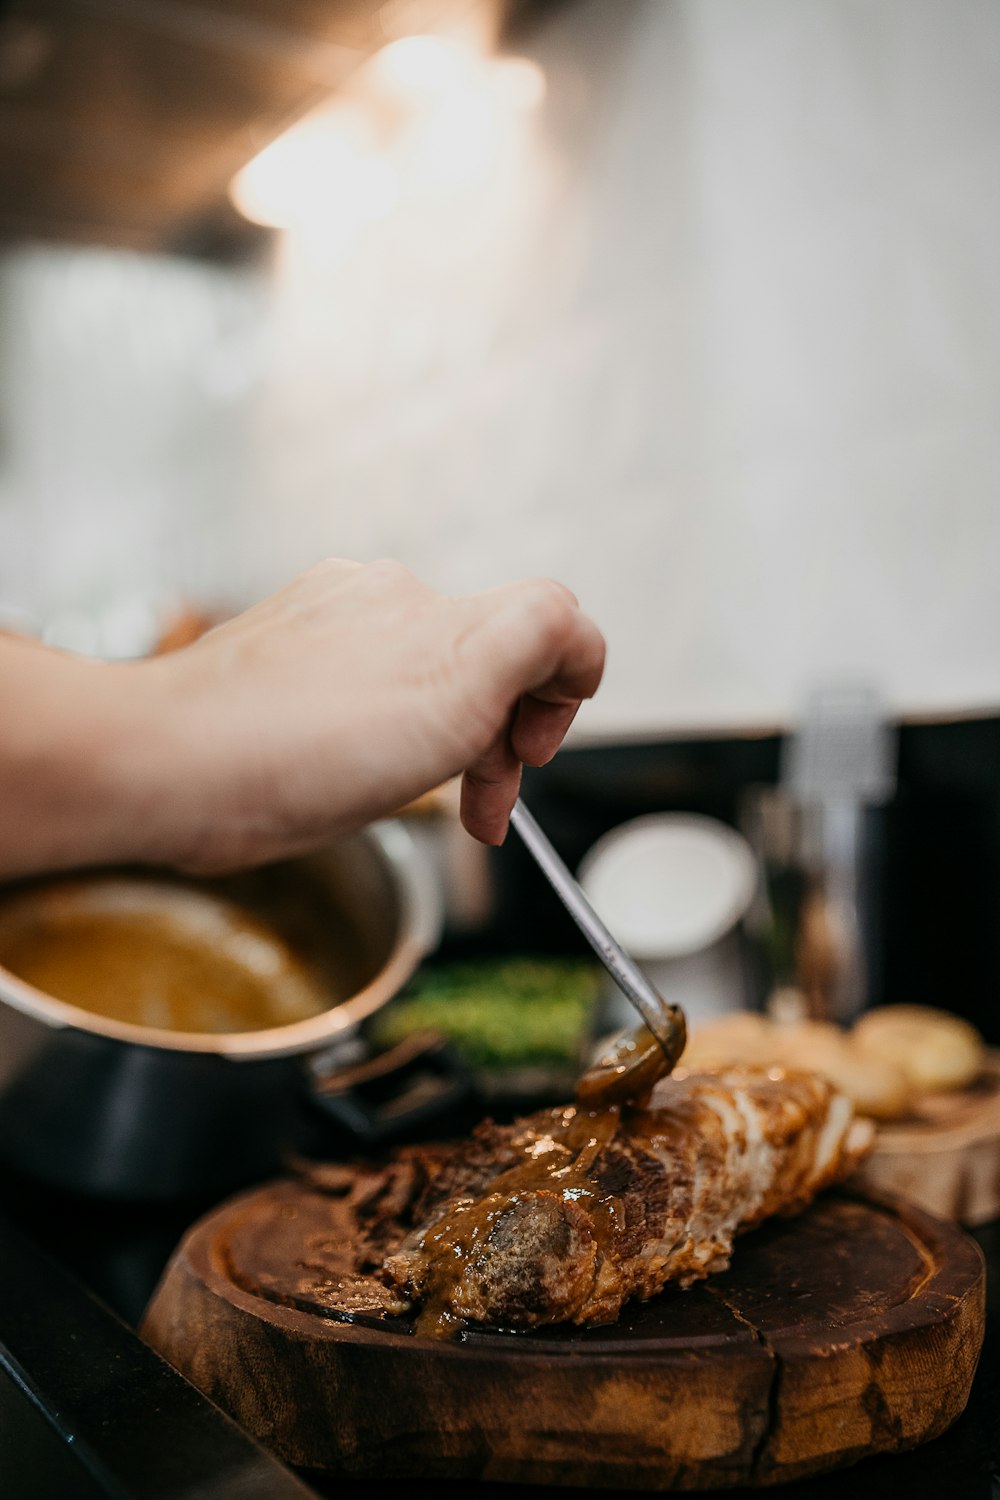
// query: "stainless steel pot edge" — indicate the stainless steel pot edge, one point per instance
point(421, 918)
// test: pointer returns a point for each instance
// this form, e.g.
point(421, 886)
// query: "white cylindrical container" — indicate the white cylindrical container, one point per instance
point(673, 888)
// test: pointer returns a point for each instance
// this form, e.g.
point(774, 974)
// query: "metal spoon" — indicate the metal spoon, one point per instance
point(665, 1022)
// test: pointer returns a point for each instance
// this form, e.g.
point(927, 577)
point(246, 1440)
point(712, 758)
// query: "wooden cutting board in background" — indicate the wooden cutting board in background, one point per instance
point(946, 1157)
point(853, 1329)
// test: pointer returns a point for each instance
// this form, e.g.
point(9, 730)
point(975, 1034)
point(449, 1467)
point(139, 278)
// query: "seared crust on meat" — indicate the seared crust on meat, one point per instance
point(566, 1215)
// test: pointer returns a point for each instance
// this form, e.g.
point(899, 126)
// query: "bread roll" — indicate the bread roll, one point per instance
point(877, 1086)
point(742, 1037)
point(937, 1051)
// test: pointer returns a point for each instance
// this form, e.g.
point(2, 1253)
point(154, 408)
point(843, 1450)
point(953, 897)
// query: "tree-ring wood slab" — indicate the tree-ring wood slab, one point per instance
point(850, 1330)
point(946, 1155)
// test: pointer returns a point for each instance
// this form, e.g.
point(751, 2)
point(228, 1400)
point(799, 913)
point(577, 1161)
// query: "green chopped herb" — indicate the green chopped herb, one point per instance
point(499, 1013)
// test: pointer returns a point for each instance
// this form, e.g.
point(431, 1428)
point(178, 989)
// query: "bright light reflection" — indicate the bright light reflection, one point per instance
point(454, 146)
point(452, 115)
point(321, 171)
point(422, 66)
point(519, 81)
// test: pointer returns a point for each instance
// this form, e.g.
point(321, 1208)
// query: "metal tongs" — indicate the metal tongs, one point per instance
point(664, 1022)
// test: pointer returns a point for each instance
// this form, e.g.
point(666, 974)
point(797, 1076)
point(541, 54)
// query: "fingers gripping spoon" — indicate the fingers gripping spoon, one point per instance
point(639, 1057)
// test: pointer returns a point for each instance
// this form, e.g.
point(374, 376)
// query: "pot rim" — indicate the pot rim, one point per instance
point(419, 929)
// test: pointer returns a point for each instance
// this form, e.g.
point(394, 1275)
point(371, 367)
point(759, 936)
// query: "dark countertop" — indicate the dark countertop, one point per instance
point(87, 1410)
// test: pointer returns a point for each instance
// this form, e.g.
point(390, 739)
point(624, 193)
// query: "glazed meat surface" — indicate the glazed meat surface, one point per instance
point(562, 1217)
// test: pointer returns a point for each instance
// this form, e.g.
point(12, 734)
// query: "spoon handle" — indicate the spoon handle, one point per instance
point(662, 1019)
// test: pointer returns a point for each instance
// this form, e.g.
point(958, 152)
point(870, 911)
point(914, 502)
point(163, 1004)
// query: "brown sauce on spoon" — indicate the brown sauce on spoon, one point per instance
point(626, 1072)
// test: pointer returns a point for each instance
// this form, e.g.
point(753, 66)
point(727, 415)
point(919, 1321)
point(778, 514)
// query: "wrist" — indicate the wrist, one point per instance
point(157, 776)
point(84, 761)
point(183, 761)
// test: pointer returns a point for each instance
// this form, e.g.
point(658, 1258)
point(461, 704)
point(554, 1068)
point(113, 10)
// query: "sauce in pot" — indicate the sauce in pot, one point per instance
point(158, 955)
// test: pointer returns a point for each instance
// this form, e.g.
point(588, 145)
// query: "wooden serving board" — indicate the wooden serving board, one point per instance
point(946, 1157)
point(851, 1330)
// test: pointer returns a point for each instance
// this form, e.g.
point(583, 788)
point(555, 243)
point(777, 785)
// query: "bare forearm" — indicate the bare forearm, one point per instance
point(74, 788)
point(333, 702)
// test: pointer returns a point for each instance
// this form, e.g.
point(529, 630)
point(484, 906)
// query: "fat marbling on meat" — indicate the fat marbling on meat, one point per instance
point(565, 1215)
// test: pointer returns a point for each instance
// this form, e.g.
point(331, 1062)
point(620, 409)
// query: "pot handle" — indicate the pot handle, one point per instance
point(416, 1084)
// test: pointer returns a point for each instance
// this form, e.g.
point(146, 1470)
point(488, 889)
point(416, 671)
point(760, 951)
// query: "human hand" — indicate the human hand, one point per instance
point(333, 702)
point(357, 688)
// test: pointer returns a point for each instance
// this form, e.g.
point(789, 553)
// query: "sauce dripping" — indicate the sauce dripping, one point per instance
point(627, 1072)
point(556, 1162)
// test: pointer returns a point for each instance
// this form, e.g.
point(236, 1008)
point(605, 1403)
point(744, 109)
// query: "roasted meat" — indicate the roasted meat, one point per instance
point(565, 1215)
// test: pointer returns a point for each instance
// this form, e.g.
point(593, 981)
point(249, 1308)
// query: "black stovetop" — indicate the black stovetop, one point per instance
point(89, 1412)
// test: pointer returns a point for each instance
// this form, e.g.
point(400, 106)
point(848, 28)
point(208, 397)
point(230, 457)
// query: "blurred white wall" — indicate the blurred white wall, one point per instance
point(714, 337)
point(125, 390)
